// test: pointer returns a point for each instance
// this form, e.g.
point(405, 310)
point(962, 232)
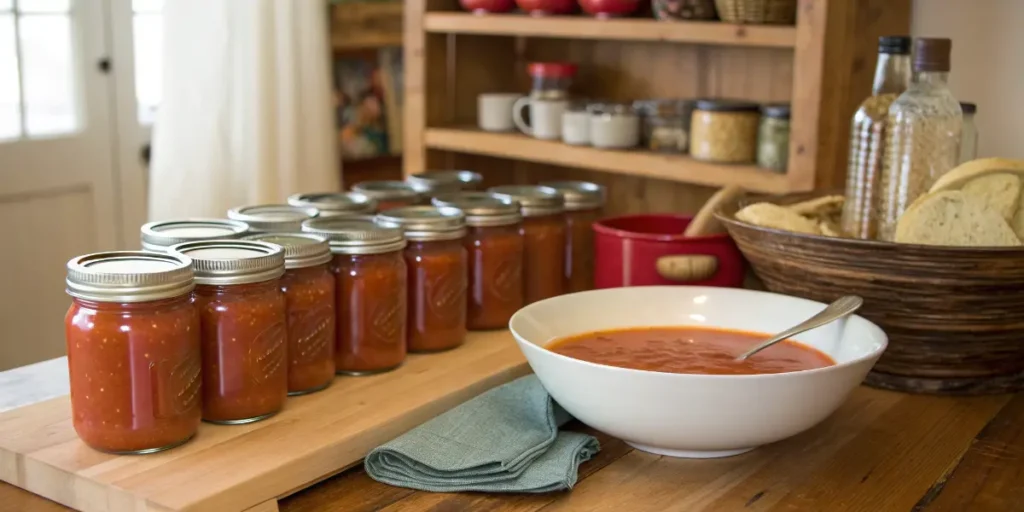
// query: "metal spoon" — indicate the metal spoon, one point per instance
point(842, 307)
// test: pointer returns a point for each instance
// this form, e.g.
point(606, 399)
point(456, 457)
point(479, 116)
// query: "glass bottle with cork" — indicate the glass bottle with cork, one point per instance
point(867, 137)
point(924, 129)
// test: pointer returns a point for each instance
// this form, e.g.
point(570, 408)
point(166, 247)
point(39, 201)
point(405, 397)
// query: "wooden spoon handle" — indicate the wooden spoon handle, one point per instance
point(705, 223)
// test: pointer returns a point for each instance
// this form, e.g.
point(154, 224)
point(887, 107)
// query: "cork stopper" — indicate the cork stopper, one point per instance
point(932, 54)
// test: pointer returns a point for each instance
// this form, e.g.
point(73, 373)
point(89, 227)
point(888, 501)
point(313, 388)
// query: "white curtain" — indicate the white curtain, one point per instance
point(247, 114)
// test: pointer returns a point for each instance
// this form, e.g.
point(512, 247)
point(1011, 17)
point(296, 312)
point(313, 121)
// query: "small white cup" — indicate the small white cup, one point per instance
point(576, 127)
point(614, 126)
point(494, 111)
point(545, 117)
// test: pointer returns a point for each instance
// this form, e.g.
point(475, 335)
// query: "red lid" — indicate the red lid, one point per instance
point(552, 69)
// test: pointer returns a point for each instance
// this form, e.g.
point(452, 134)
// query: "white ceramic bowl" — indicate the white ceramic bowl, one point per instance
point(694, 415)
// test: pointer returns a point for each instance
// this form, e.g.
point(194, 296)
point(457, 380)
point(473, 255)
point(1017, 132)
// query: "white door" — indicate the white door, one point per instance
point(63, 148)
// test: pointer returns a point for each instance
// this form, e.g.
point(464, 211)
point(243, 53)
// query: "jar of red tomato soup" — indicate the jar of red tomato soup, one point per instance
point(132, 336)
point(371, 290)
point(437, 269)
point(273, 218)
point(544, 237)
point(159, 236)
point(584, 205)
point(308, 287)
point(432, 183)
point(244, 338)
point(335, 204)
point(389, 194)
point(494, 245)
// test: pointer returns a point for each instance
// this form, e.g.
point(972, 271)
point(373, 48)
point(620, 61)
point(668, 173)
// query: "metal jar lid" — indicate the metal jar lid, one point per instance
point(387, 190)
point(535, 200)
point(229, 262)
point(332, 204)
point(273, 218)
point(426, 223)
point(482, 209)
point(726, 105)
point(356, 235)
point(301, 250)
point(579, 195)
point(129, 276)
point(158, 236)
point(445, 181)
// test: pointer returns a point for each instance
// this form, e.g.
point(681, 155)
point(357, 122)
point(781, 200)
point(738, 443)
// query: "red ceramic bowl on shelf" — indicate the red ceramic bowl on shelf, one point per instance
point(643, 250)
point(545, 7)
point(487, 6)
point(609, 8)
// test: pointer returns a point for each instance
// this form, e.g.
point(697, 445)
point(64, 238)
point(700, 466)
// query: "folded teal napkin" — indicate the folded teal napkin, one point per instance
point(505, 440)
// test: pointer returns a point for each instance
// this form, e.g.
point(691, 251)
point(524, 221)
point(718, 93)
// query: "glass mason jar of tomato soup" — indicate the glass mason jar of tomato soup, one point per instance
point(437, 268)
point(584, 205)
point(494, 245)
point(308, 287)
point(335, 204)
point(132, 336)
point(244, 338)
point(432, 183)
point(371, 291)
point(544, 236)
point(159, 236)
point(389, 193)
point(273, 218)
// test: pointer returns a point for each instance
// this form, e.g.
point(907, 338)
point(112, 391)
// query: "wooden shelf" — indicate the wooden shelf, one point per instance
point(633, 163)
point(623, 29)
point(365, 25)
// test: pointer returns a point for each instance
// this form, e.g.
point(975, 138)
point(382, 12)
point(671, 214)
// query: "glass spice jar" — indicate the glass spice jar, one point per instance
point(584, 205)
point(132, 335)
point(159, 236)
point(242, 316)
point(666, 124)
point(494, 245)
point(969, 134)
point(273, 218)
point(432, 183)
point(437, 269)
point(371, 290)
point(551, 80)
point(335, 204)
point(773, 137)
point(308, 288)
point(724, 131)
point(544, 238)
point(389, 193)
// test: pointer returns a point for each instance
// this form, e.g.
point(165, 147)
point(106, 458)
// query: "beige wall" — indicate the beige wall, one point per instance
point(987, 64)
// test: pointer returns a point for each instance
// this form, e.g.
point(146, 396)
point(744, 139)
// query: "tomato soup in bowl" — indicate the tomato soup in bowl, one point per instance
point(654, 365)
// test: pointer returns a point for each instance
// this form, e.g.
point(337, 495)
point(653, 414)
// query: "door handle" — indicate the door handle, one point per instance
point(145, 153)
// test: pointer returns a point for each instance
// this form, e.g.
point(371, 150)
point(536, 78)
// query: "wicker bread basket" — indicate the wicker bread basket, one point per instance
point(764, 12)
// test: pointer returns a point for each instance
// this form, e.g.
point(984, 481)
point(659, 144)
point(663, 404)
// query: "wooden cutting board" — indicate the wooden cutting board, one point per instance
point(248, 467)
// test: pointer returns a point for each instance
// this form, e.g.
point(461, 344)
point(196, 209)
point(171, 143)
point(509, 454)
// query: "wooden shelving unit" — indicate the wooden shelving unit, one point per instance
point(822, 66)
point(366, 25)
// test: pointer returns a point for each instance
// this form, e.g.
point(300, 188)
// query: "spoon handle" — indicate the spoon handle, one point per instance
point(838, 309)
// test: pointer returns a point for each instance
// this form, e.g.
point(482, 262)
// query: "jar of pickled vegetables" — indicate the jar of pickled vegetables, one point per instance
point(773, 137)
point(544, 237)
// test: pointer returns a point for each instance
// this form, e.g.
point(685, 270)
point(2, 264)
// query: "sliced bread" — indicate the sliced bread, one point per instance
point(954, 218)
point(961, 174)
point(778, 217)
point(1000, 191)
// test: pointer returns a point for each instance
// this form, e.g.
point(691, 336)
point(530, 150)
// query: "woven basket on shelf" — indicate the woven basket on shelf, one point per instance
point(698, 10)
point(768, 12)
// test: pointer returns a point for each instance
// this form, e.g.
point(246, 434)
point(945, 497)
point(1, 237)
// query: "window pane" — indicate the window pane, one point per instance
point(5, 5)
point(148, 55)
point(43, 5)
point(10, 106)
point(150, 6)
point(49, 77)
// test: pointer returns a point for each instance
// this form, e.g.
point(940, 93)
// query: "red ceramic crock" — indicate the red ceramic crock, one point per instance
point(487, 6)
point(643, 250)
point(609, 8)
point(547, 7)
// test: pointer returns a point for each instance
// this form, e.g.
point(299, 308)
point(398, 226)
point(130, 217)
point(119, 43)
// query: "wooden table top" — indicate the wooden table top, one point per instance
point(881, 451)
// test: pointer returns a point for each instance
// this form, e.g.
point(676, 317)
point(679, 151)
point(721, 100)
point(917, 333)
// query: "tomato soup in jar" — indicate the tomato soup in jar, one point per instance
point(335, 204)
point(544, 236)
point(244, 337)
point(432, 183)
point(308, 287)
point(159, 236)
point(494, 245)
point(389, 194)
point(371, 293)
point(437, 268)
point(584, 205)
point(273, 218)
point(133, 346)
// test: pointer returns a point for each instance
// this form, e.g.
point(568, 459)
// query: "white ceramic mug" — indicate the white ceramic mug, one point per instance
point(614, 126)
point(494, 111)
point(545, 117)
point(576, 126)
